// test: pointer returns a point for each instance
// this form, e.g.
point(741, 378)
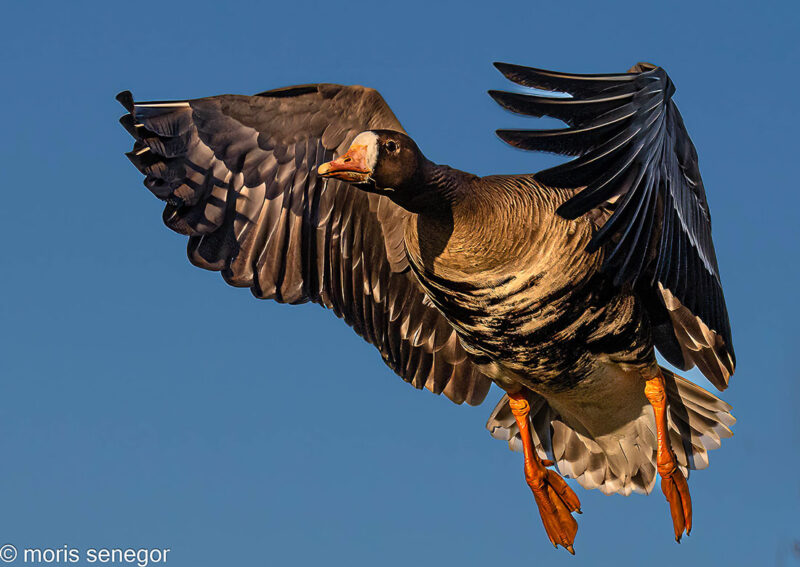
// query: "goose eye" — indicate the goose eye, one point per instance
point(391, 146)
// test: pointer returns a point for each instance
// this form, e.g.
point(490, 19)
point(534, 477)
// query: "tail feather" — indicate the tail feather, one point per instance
point(697, 419)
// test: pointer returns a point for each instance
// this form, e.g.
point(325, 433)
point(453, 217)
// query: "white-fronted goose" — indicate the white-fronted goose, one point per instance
point(557, 286)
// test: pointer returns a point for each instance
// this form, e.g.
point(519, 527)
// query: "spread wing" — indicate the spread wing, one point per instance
point(635, 158)
point(238, 174)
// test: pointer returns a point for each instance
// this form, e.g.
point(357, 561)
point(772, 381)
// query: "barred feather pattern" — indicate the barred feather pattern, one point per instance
point(514, 280)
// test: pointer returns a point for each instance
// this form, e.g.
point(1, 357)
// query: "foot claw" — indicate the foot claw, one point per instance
point(556, 502)
point(676, 490)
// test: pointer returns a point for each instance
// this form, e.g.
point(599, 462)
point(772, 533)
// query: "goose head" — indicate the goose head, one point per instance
point(379, 161)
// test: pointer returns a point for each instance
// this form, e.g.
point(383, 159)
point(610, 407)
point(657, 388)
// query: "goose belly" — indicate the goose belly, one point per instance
point(551, 337)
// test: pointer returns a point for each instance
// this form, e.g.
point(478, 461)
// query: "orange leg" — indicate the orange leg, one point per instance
point(556, 500)
point(673, 483)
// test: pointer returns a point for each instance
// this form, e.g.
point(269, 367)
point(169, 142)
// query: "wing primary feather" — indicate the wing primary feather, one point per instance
point(569, 110)
point(604, 188)
point(630, 143)
point(567, 141)
point(564, 82)
point(589, 166)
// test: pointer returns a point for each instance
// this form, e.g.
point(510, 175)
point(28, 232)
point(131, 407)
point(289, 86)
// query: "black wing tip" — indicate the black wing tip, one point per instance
point(511, 71)
point(510, 137)
point(289, 92)
point(514, 67)
point(531, 140)
point(125, 98)
point(127, 122)
point(522, 139)
point(502, 98)
point(505, 134)
point(638, 68)
point(569, 211)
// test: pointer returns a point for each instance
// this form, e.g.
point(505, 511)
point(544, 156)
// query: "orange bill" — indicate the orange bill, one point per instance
point(351, 167)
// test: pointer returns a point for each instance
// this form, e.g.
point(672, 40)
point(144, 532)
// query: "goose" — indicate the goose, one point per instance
point(557, 286)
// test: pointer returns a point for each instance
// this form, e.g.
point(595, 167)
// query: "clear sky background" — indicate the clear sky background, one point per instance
point(143, 403)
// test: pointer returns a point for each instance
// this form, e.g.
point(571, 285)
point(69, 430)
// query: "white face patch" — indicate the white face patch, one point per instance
point(370, 140)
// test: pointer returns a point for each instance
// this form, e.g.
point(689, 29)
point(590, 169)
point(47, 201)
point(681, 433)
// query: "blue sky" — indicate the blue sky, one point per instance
point(143, 403)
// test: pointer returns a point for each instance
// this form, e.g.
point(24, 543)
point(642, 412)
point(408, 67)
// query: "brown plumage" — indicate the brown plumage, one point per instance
point(238, 174)
point(556, 286)
point(514, 280)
